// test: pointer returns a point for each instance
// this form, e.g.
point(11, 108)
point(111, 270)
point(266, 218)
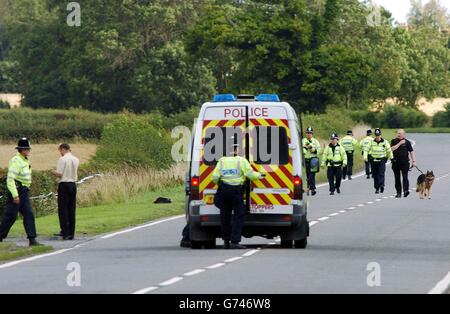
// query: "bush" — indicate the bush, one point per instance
point(134, 141)
point(4, 105)
point(51, 125)
point(442, 119)
point(334, 120)
point(392, 117)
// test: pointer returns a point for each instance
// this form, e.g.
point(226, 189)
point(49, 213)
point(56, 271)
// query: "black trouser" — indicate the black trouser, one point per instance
point(401, 169)
point(378, 173)
point(12, 210)
point(334, 174)
point(228, 199)
point(367, 163)
point(311, 176)
point(348, 170)
point(67, 204)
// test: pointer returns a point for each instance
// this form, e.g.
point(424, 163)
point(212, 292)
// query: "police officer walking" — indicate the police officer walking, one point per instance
point(349, 144)
point(380, 152)
point(334, 157)
point(311, 151)
point(230, 174)
point(365, 145)
point(403, 154)
point(18, 199)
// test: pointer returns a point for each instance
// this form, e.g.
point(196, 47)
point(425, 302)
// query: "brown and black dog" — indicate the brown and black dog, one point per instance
point(424, 184)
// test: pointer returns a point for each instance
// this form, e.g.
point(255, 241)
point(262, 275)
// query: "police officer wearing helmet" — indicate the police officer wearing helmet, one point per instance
point(380, 152)
point(18, 199)
point(349, 144)
point(365, 145)
point(311, 151)
point(334, 157)
point(230, 174)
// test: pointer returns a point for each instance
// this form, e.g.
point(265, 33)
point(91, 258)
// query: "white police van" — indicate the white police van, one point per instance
point(268, 133)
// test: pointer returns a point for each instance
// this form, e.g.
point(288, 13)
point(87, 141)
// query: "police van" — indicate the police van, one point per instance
point(268, 133)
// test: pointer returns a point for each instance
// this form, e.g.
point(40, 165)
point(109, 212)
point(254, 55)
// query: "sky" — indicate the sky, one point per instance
point(400, 8)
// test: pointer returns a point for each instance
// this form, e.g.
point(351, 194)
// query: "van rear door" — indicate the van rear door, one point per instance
point(270, 153)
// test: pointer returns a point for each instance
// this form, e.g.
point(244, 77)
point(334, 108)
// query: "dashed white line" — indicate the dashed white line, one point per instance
point(342, 211)
point(170, 281)
point(323, 218)
point(351, 208)
point(361, 205)
point(234, 259)
point(370, 203)
point(216, 266)
point(146, 290)
point(333, 215)
point(312, 223)
point(442, 286)
point(194, 272)
point(250, 253)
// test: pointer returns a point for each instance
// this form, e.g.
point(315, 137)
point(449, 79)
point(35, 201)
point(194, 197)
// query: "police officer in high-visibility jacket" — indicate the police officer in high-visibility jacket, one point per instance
point(18, 199)
point(230, 174)
point(311, 151)
point(380, 152)
point(349, 144)
point(365, 145)
point(334, 157)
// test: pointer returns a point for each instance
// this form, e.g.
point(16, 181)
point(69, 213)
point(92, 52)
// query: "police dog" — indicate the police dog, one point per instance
point(424, 184)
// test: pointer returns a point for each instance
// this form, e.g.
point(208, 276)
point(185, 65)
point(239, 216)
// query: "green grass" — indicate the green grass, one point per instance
point(428, 130)
point(10, 251)
point(106, 218)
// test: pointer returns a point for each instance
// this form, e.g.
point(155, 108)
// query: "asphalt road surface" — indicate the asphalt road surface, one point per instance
point(360, 243)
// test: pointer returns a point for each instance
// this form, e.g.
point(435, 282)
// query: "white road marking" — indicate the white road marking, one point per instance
point(146, 290)
point(378, 200)
point(333, 215)
point(111, 235)
point(234, 259)
point(442, 286)
point(370, 203)
point(323, 218)
point(34, 258)
point(351, 208)
point(170, 281)
point(312, 223)
point(216, 266)
point(250, 253)
point(342, 211)
point(361, 205)
point(194, 272)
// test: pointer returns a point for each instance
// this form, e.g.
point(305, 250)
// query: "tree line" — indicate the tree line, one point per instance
point(169, 55)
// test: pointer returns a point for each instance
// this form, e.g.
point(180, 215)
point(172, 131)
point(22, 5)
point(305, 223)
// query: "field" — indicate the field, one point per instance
point(45, 156)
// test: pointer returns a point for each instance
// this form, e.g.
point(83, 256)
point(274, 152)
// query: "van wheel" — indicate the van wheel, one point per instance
point(196, 245)
point(286, 244)
point(210, 245)
point(301, 244)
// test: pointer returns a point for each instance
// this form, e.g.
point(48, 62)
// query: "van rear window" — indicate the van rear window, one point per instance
point(270, 146)
point(218, 141)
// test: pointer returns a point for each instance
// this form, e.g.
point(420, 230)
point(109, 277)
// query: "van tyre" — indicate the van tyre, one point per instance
point(301, 244)
point(210, 245)
point(196, 245)
point(286, 244)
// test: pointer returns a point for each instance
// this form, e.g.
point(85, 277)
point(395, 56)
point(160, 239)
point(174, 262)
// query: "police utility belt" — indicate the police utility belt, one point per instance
point(379, 159)
point(332, 163)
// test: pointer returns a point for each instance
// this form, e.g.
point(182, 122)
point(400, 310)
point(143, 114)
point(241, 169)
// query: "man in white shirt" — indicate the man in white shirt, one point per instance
point(67, 172)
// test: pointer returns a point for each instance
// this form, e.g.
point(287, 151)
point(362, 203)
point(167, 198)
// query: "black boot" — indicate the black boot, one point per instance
point(338, 190)
point(237, 246)
point(407, 193)
point(314, 192)
point(226, 245)
point(33, 242)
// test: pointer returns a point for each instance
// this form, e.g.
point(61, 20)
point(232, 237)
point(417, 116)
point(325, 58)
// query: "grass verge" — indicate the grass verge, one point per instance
point(106, 218)
point(10, 251)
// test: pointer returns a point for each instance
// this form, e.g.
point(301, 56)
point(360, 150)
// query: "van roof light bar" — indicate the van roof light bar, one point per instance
point(268, 98)
point(224, 98)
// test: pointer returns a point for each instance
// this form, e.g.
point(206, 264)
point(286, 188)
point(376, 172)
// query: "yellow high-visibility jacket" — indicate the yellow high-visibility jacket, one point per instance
point(334, 159)
point(365, 143)
point(379, 150)
point(19, 169)
point(233, 171)
point(349, 143)
point(315, 148)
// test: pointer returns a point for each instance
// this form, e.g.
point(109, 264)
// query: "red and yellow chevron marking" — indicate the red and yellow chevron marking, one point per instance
point(205, 170)
point(277, 177)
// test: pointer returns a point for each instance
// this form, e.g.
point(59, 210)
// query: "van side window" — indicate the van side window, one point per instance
point(272, 146)
point(218, 141)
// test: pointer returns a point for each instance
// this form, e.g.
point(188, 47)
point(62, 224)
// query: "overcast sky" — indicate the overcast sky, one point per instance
point(400, 8)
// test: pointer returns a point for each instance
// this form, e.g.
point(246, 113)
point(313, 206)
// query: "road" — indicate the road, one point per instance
point(408, 239)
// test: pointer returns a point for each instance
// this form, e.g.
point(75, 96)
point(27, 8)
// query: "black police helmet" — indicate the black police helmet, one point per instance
point(24, 143)
point(334, 136)
point(310, 130)
point(369, 132)
point(378, 132)
point(349, 132)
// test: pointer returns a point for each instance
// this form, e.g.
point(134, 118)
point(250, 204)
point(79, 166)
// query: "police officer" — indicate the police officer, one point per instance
point(380, 151)
point(230, 174)
point(403, 153)
point(365, 145)
point(349, 144)
point(18, 183)
point(334, 157)
point(311, 151)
